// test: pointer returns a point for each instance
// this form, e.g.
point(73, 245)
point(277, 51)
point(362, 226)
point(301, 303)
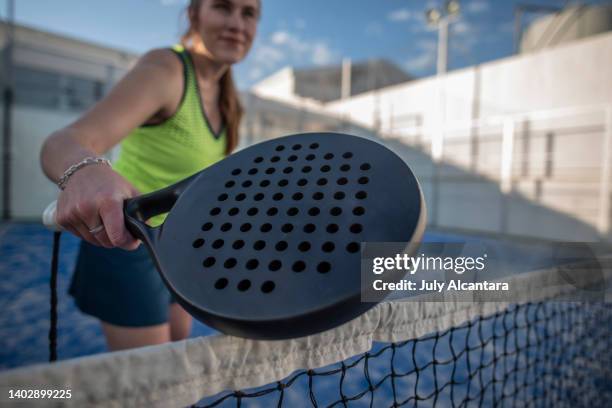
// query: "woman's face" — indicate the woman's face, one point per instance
point(227, 28)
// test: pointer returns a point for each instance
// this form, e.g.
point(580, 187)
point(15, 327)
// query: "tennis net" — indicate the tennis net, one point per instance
point(544, 352)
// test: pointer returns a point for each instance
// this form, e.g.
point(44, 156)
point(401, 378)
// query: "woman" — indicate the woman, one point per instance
point(175, 112)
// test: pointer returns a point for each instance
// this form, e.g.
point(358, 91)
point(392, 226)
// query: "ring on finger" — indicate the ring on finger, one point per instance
point(96, 229)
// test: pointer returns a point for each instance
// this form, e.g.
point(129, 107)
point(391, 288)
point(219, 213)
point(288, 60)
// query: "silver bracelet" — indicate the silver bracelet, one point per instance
point(73, 169)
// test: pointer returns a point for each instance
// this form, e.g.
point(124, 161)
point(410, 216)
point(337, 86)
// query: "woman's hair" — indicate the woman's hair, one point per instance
point(230, 106)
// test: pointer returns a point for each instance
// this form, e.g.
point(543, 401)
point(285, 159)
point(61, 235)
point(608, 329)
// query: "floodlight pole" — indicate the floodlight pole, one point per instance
point(442, 63)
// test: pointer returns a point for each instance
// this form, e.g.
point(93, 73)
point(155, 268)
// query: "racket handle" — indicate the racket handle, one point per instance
point(48, 217)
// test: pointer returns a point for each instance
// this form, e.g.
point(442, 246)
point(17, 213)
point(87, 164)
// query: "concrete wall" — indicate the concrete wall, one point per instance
point(558, 101)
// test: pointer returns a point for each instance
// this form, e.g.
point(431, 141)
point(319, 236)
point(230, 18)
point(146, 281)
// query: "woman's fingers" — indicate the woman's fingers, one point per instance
point(111, 212)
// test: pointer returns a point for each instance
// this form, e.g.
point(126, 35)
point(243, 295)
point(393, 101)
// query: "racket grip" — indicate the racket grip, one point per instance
point(48, 217)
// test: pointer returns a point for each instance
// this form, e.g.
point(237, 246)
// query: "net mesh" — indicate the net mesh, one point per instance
point(546, 352)
point(534, 354)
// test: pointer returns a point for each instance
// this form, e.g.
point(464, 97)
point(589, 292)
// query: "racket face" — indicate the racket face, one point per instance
point(266, 243)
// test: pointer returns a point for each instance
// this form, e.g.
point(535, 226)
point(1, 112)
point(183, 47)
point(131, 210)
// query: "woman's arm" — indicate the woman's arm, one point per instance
point(95, 193)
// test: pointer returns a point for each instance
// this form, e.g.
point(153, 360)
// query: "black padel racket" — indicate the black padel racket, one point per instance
point(265, 244)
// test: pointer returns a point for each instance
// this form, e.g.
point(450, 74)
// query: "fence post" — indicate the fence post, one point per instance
point(506, 170)
point(604, 187)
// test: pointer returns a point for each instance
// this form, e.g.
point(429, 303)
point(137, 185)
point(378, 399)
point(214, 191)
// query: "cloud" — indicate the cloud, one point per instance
point(255, 73)
point(420, 63)
point(462, 27)
point(321, 54)
point(267, 56)
point(310, 51)
point(401, 15)
point(477, 7)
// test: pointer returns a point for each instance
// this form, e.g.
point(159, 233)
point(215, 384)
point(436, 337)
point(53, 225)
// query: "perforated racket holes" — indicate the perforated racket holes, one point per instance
point(363, 180)
point(270, 170)
point(292, 212)
point(238, 244)
point(352, 247)
point(298, 266)
point(361, 195)
point(356, 228)
point(296, 147)
point(259, 245)
point(347, 155)
point(314, 145)
point(226, 227)
point(292, 158)
point(252, 211)
point(244, 285)
point(247, 184)
point(240, 197)
point(318, 196)
point(218, 244)
point(287, 228)
point(272, 211)
point(309, 228)
point(245, 227)
point(233, 211)
point(230, 184)
point(198, 243)
point(288, 170)
point(325, 168)
point(258, 197)
point(267, 286)
point(283, 182)
point(335, 211)
point(221, 283)
point(302, 182)
point(252, 264)
point(314, 211)
point(310, 157)
point(297, 196)
point(230, 263)
point(304, 246)
point(264, 183)
point(275, 265)
point(236, 172)
point(281, 246)
point(339, 195)
point(207, 226)
point(365, 167)
point(208, 262)
point(222, 197)
point(345, 167)
point(279, 148)
point(258, 160)
point(332, 228)
point(321, 181)
point(328, 156)
point(328, 246)
point(358, 211)
point(215, 211)
point(277, 196)
point(275, 159)
point(323, 267)
point(342, 181)
point(265, 227)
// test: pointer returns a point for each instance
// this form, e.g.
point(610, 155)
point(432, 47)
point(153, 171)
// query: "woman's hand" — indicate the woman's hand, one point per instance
point(93, 197)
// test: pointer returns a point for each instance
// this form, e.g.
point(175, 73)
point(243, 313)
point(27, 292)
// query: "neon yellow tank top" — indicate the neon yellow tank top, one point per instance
point(155, 156)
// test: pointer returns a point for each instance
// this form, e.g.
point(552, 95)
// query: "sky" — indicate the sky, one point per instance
point(298, 33)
